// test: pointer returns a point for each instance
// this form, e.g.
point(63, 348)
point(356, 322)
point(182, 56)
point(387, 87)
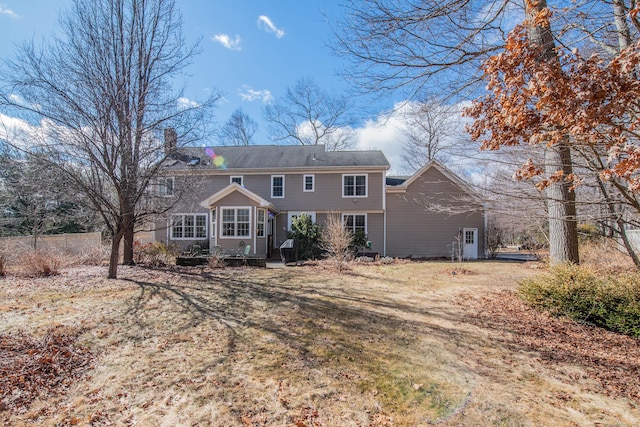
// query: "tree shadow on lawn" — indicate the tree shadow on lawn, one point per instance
point(242, 301)
point(309, 323)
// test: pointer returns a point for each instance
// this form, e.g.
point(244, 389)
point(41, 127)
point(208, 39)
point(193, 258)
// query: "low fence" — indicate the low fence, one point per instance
point(76, 243)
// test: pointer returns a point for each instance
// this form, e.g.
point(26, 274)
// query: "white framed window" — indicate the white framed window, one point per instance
point(357, 223)
point(237, 179)
point(354, 185)
point(308, 183)
point(214, 215)
point(188, 226)
point(277, 186)
point(236, 222)
point(295, 214)
point(166, 186)
point(260, 221)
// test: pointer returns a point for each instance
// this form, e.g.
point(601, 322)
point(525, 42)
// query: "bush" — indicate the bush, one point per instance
point(154, 254)
point(307, 235)
point(611, 302)
point(41, 263)
point(337, 242)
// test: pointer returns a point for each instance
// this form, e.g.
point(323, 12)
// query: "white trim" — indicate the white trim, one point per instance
point(354, 175)
point(366, 220)
point(474, 245)
point(211, 200)
point(291, 214)
point(265, 220)
point(195, 227)
point(304, 183)
point(231, 181)
point(277, 176)
point(235, 222)
point(162, 186)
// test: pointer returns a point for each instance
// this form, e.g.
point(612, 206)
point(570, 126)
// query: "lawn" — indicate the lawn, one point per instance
point(404, 344)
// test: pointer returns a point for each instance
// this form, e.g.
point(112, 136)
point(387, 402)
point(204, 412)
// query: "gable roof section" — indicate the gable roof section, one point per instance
point(442, 169)
point(233, 187)
point(276, 157)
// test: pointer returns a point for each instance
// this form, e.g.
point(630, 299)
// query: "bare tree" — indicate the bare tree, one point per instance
point(337, 241)
point(239, 129)
point(101, 93)
point(430, 129)
point(307, 115)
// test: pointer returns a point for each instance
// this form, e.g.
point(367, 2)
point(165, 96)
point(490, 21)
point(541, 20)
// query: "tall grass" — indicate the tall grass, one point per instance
point(611, 302)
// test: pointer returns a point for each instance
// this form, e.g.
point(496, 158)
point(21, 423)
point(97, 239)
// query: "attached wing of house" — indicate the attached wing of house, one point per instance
point(234, 197)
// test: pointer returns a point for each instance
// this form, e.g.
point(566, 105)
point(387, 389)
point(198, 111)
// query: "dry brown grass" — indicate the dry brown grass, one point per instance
point(373, 346)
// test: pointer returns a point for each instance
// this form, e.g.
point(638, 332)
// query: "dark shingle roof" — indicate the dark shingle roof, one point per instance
point(396, 180)
point(276, 157)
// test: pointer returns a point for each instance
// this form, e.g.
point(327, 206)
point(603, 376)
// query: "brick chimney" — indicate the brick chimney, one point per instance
point(170, 141)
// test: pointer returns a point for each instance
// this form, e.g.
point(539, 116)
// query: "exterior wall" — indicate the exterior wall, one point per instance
point(413, 231)
point(327, 196)
point(237, 244)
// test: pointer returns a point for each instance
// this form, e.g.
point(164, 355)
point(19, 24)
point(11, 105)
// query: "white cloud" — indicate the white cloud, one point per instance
point(184, 103)
point(265, 23)
point(249, 94)
point(227, 41)
point(4, 10)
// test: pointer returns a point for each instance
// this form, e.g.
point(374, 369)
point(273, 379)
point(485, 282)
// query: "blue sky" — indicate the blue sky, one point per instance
point(252, 50)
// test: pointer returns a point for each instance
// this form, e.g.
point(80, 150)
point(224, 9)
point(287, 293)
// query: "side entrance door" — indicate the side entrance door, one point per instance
point(470, 248)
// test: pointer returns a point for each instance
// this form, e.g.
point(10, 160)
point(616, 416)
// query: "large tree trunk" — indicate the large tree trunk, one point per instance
point(128, 235)
point(115, 254)
point(563, 229)
point(561, 204)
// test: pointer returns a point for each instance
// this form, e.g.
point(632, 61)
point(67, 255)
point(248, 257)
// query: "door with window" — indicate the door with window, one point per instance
point(470, 245)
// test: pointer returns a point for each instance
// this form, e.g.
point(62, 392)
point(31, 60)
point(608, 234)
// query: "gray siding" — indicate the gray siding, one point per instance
point(413, 230)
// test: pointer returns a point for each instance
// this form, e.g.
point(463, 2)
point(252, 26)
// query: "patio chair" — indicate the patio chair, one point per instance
point(245, 255)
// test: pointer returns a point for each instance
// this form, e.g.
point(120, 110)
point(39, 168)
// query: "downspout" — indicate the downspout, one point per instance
point(384, 215)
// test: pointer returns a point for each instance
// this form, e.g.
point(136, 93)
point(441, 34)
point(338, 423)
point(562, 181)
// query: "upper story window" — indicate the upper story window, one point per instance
point(354, 185)
point(166, 186)
point(188, 226)
point(236, 179)
point(308, 183)
point(277, 186)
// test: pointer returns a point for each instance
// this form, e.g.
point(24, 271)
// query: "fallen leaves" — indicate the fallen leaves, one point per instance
point(613, 360)
point(33, 367)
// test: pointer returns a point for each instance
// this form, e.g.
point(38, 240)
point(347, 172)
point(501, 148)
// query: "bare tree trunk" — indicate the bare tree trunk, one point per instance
point(115, 254)
point(563, 227)
point(128, 236)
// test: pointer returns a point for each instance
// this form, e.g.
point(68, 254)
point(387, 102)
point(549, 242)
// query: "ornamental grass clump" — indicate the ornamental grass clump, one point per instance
point(611, 302)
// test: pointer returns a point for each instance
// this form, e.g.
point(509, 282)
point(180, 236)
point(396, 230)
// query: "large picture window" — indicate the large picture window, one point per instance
point(354, 185)
point(277, 186)
point(188, 226)
point(236, 222)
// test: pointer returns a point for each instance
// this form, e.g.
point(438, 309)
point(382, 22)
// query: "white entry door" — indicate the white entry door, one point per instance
point(470, 248)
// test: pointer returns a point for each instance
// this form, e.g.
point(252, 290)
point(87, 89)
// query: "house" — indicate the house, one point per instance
point(234, 197)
